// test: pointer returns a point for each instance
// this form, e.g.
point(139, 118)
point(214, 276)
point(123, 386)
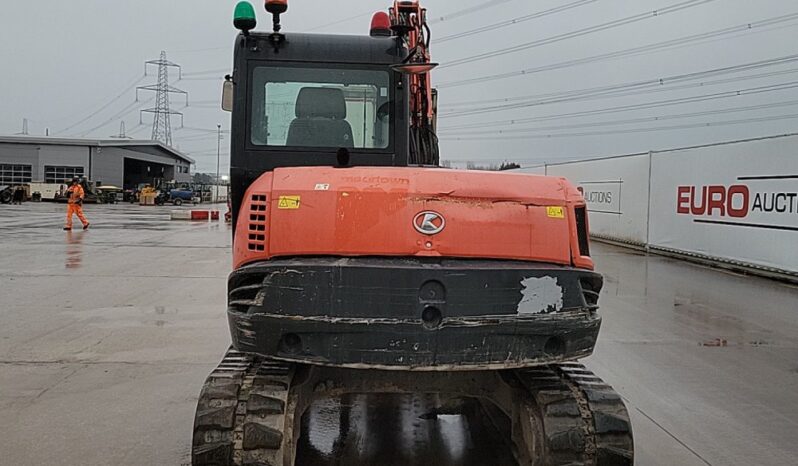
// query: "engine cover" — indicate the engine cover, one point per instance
point(411, 212)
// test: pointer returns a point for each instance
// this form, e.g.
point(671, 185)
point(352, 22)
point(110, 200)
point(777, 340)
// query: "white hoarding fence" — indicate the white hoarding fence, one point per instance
point(731, 203)
point(736, 202)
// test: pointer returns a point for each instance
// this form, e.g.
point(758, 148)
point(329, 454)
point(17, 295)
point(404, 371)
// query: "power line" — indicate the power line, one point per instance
point(467, 11)
point(198, 137)
point(208, 49)
point(218, 77)
point(514, 21)
point(613, 94)
point(130, 108)
point(341, 21)
point(641, 106)
point(633, 85)
point(216, 106)
point(138, 128)
point(631, 51)
point(103, 107)
point(201, 72)
point(206, 153)
point(578, 33)
point(314, 28)
point(598, 96)
point(630, 131)
point(453, 15)
point(748, 108)
point(206, 130)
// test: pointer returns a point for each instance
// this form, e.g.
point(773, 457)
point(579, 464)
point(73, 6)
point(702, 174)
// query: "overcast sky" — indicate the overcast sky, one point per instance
point(71, 66)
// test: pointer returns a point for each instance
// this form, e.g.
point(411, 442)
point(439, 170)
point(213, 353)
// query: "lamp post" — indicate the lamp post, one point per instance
point(218, 157)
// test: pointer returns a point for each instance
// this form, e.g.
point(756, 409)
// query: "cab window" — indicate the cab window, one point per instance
point(318, 107)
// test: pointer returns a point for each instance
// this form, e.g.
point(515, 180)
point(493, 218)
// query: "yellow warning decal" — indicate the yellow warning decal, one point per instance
point(288, 202)
point(555, 212)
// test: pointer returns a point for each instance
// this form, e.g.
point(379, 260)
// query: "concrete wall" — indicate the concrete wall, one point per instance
point(733, 203)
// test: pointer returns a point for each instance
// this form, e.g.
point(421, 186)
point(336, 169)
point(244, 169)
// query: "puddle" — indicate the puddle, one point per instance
point(390, 430)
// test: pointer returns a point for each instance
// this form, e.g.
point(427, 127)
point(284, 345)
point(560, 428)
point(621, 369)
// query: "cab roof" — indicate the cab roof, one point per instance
point(331, 48)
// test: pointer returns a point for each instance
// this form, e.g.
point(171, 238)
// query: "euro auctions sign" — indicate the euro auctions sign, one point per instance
point(733, 201)
point(602, 196)
point(769, 200)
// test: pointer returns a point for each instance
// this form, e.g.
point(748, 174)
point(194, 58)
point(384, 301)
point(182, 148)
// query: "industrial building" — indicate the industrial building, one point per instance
point(123, 163)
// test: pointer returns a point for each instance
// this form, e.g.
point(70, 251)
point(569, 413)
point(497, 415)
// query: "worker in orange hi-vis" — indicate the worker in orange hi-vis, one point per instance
point(75, 197)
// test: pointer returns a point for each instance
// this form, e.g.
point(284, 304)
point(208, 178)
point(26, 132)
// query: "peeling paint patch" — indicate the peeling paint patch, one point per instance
point(541, 295)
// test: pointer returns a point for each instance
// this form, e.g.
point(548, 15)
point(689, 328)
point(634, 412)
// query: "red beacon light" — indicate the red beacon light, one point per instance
point(380, 25)
point(276, 8)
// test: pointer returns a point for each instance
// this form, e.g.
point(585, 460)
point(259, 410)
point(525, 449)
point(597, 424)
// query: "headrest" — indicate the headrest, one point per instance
point(321, 102)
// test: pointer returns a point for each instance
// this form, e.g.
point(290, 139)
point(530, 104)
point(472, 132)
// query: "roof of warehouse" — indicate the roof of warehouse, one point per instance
point(95, 143)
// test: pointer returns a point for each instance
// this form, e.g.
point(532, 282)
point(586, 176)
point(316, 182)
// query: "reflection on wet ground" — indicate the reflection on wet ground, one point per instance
point(396, 430)
point(704, 359)
point(106, 335)
point(74, 249)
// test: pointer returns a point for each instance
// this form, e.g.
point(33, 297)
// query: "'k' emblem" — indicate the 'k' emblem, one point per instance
point(429, 223)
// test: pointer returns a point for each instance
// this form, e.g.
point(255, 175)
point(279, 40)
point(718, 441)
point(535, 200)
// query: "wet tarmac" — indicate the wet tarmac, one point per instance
point(106, 336)
point(396, 430)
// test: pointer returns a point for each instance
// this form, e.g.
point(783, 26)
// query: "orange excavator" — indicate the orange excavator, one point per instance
point(361, 267)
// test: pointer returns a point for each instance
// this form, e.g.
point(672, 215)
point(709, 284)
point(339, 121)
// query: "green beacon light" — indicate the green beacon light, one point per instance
point(244, 18)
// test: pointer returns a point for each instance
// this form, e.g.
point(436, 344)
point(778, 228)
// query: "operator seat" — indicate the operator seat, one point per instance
point(320, 119)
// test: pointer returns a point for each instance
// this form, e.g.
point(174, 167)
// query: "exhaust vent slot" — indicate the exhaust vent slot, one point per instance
point(257, 222)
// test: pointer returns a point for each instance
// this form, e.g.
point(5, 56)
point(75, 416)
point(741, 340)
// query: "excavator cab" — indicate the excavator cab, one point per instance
point(316, 100)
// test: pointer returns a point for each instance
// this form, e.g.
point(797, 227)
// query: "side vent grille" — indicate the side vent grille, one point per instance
point(244, 293)
point(591, 287)
point(581, 231)
point(257, 223)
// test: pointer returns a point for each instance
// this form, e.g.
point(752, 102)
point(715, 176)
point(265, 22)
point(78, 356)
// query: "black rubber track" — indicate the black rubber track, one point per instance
point(241, 416)
point(240, 419)
point(584, 420)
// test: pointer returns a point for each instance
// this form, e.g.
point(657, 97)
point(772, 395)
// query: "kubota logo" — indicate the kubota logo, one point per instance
point(429, 223)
